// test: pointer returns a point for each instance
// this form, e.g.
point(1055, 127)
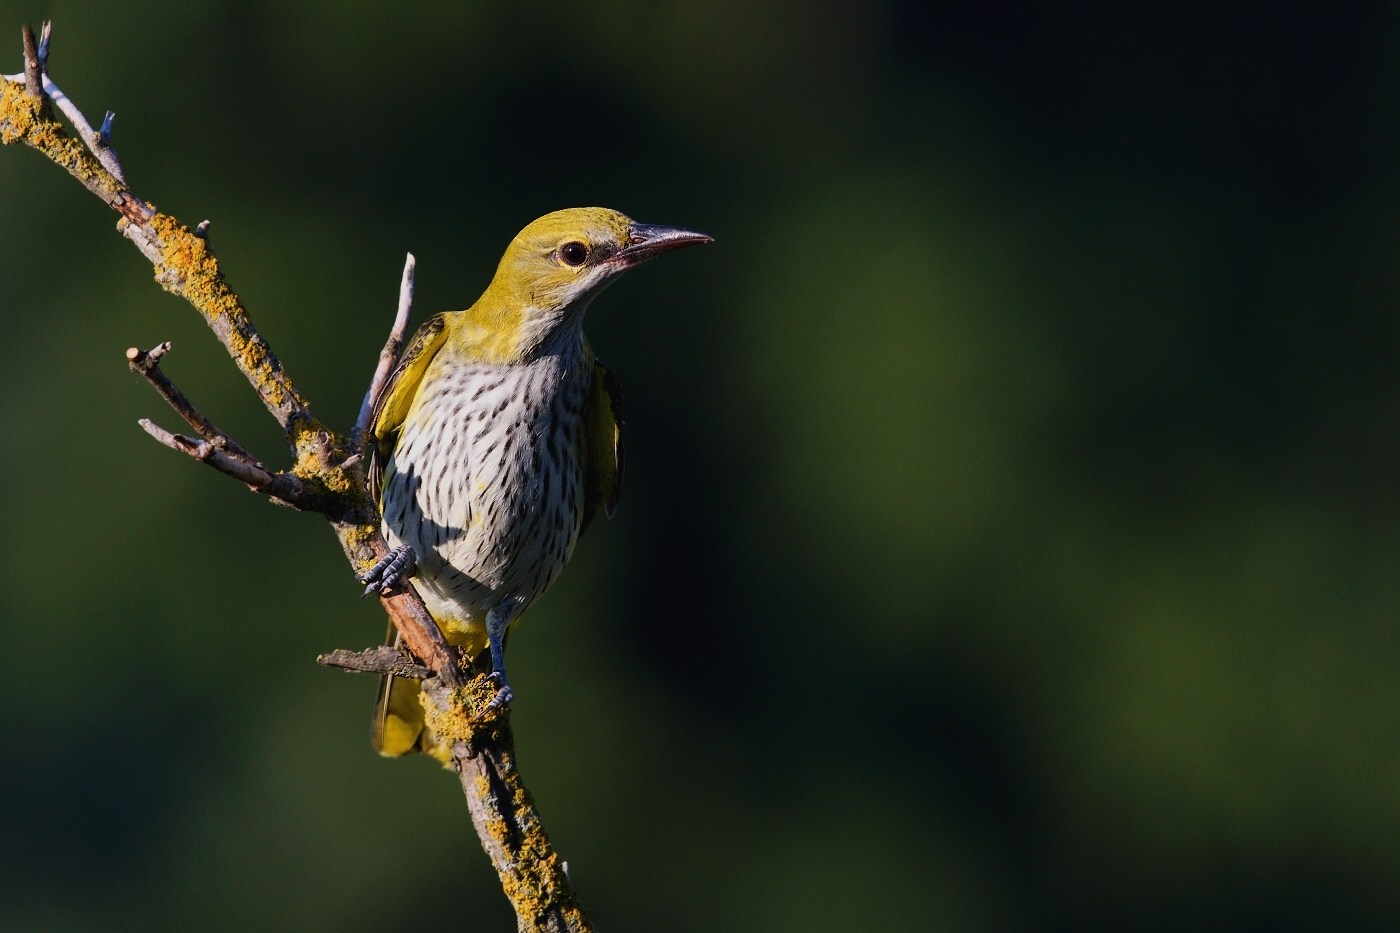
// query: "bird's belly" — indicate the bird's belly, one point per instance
point(486, 485)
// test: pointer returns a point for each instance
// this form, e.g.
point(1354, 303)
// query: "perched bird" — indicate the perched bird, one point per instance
point(496, 441)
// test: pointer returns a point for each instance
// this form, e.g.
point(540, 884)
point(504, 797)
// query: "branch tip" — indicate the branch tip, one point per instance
point(387, 356)
point(142, 361)
point(147, 363)
point(33, 72)
point(44, 35)
point(382, 660)
point(104, 134)
point(202, 230)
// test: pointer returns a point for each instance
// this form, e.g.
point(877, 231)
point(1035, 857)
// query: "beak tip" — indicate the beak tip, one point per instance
point(648, 240)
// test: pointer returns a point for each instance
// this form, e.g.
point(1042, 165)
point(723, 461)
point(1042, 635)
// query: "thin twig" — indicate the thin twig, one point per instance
point(382, 660)
point(33, 83)
point(147, 363)
point(99, 142)
point(282, 486)
point(387, 356)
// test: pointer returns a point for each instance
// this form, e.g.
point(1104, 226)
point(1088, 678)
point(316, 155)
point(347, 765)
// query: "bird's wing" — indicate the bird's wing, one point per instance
point(394, 402)
point(602, 445)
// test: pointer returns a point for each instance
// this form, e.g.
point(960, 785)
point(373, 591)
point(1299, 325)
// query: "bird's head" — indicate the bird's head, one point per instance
point(556, 265)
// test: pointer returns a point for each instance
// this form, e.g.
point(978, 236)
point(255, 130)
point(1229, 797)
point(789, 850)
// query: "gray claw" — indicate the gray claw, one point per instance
point(392, 570)
point(503, 696)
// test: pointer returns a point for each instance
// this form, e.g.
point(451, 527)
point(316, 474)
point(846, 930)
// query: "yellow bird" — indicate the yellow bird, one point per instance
point(497, 440)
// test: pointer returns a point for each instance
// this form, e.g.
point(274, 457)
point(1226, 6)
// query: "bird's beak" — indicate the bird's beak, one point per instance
point(647, 240)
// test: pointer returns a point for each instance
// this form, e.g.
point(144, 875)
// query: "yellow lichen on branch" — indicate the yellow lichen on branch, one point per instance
point(189, 268)
point(184, 263)
point(503, 811)
point(535, 892)
point(482, 751)
point(451, 715)
point(23, 119)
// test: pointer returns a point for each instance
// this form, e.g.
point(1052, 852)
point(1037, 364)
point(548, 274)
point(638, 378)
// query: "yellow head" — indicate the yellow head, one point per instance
point(555, 266)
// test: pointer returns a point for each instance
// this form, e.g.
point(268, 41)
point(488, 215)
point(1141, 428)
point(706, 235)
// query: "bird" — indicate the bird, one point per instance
point(496, 441)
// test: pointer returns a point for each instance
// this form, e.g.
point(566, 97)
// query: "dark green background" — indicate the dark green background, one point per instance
point(1012, 520)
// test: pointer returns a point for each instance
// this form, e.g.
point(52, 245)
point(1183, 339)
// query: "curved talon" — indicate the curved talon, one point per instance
point(502, 698)
point(392, 569)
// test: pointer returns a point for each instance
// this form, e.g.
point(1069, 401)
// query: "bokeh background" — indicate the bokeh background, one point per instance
point(1012, 521)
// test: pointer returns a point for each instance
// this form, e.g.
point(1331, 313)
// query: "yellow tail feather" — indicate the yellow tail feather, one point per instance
point(398, 715)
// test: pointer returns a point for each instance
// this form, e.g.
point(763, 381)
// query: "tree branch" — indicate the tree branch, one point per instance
point(33, 83)
point(282, 486)
point(148, 364)
point(327, 477)
point(387, 357)
point(382, 660)
point(185, 264)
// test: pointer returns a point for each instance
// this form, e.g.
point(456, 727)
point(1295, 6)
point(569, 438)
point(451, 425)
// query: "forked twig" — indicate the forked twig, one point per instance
point(281, 486)
point(147, 363)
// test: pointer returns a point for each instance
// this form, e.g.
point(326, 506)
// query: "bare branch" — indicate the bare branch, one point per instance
point(420, 631)
point(100, 142)
point(147, 363)
point(33, 83)
point(382, 660)
point(387, 356)
point(282, 486)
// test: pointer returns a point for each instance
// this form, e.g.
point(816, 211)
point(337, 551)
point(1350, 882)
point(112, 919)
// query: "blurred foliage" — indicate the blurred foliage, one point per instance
point(1012, 521)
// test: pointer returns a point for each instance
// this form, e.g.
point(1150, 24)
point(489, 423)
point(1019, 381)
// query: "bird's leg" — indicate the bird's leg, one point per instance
point(393, 568)
point(496, 622)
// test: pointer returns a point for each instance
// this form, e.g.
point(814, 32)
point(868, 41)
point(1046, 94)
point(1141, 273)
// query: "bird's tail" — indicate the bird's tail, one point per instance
point(398, 727)
point(398, 716)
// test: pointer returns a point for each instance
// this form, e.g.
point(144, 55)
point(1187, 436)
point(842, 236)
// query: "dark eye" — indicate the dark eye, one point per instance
point(573, 253)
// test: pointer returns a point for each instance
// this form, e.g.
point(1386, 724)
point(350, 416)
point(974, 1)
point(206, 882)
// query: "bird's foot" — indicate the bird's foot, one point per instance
point(502, 698)
point(393, 569)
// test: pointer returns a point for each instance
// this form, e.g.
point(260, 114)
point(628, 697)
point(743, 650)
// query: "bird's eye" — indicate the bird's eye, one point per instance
point(575, 254)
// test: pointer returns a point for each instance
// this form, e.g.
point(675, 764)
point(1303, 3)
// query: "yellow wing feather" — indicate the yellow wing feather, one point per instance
point(393, 404)
point(398, 718)
point(602, 445)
